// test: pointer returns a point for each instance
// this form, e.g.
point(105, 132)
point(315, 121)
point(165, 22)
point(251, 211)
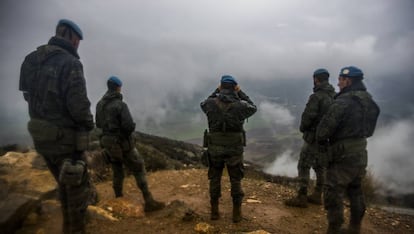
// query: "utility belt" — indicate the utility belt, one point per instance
point(43, 131)
point(114, 146)
point(349, 146)
point(126, 144)
point(224, 138)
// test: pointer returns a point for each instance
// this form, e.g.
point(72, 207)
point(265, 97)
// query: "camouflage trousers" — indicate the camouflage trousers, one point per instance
point(344, 176)
point(232, 159)
point(74, 199)
point(135, 163)
point(310, 157)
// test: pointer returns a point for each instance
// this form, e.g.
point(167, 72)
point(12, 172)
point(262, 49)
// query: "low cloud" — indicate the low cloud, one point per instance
point(276, 114)
point(390, 157)
point(284, 165)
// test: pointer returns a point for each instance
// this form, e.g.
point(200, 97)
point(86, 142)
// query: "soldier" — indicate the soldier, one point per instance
point(225, 140)
point(317, 105)
point(53, 85)
point(114, 118)
point(348, 122)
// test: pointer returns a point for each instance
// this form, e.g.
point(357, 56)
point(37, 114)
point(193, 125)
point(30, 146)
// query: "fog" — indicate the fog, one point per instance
point(275, 114)
point(390, 157)
point(169, 52)
point(284, 165)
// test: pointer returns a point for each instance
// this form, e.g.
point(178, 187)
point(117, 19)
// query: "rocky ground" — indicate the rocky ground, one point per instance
point(187, 211)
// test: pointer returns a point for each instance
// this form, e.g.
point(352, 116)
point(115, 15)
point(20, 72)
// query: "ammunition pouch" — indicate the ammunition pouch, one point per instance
point(72, 172)
point(226, 138)
point(128, 143)
point(113, 147)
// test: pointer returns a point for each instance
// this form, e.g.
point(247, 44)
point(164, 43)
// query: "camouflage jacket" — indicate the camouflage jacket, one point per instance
point(242, 95)
point(316, 107)
point(113, 116)
point(345, 117)
point(53, 84)
point(230, 120)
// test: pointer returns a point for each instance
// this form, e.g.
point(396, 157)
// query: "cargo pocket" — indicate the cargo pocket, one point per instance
point(82, 140)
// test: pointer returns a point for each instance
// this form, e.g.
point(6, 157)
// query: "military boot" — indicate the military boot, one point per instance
point(354, 228)
point(152, 205)
point(299, 201)
point(355, 225)
point(237, 215)
point(215, 215)
point(315, 197)
point(119, 194)
point(335, 229)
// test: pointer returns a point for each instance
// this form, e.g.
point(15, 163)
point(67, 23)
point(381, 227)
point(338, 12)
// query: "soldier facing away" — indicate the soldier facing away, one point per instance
point(53, 85)
point(310, 156)
point(350, 120)
point(225, 140)
point(115, 120)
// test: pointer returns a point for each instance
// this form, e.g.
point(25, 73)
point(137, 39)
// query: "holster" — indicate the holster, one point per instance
point(205, 138)
point(113, 147)
point(128, 143)
point(205, 158)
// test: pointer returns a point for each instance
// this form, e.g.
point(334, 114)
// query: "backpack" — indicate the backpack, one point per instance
point(370, 114)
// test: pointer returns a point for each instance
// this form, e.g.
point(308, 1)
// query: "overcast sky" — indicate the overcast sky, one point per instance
point(163, 48)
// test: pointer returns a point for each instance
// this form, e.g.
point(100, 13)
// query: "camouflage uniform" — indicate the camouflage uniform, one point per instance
point(226, 115)
point(53, 84)
point(343, 125)
point(114, 118)
point(242, 95)
point(310, 156)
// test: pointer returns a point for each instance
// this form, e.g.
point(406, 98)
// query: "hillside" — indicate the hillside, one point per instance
point(28, 198)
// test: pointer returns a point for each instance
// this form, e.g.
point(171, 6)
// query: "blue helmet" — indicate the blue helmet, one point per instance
point(351, 72)
point(72, 25)
point(320, 71)
point(115, 80)
point(228, 79)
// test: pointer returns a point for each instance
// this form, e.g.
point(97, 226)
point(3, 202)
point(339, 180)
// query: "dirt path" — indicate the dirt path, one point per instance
point(186, 192)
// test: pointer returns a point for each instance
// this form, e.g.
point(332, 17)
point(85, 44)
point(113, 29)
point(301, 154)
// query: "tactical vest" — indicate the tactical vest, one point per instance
point(225, 121)
point(360, 117)
point(106, 120)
